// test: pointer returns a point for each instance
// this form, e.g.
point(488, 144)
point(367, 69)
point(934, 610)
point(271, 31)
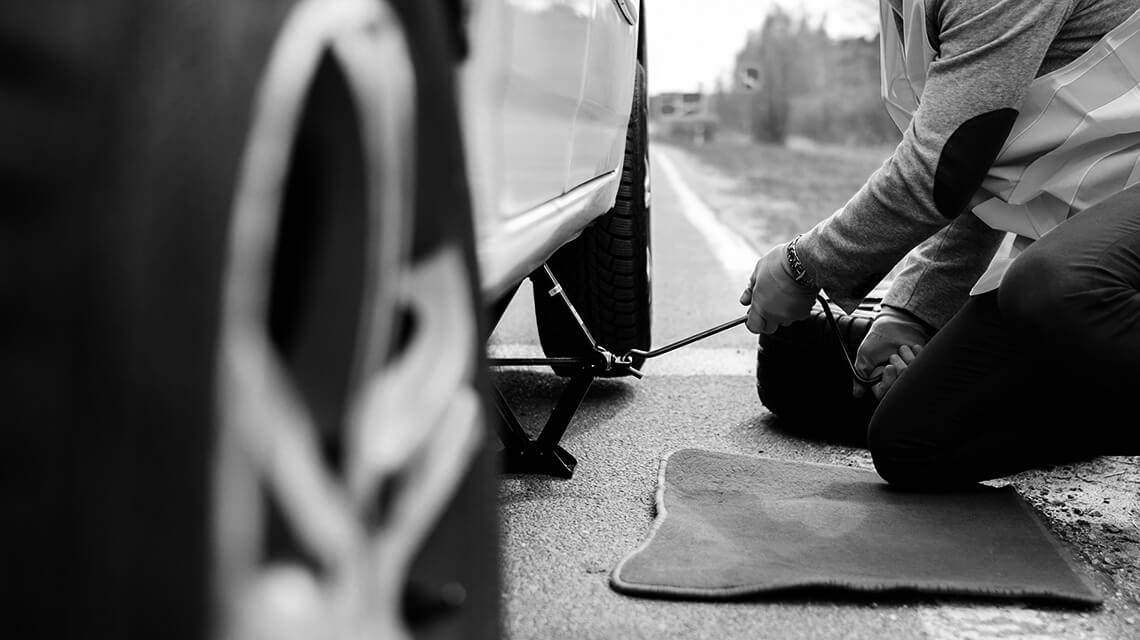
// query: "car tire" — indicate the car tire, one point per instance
point(803, 378)
point(345, 310)
point(606, 271)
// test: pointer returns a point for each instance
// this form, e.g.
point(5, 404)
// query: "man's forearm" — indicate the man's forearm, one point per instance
point(936, 279)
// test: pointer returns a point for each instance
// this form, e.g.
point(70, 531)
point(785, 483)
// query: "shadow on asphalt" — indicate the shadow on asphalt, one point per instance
point(532, 395)
point(760, 430)
point(822, 432)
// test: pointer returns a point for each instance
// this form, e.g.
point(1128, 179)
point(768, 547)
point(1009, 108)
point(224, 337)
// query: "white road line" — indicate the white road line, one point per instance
point(687, 362)
point(735, 255)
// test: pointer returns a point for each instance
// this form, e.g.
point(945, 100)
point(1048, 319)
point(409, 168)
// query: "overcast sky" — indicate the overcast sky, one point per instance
point(691, 42)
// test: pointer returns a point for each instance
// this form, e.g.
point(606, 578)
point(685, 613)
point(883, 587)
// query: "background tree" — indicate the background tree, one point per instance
point(774, 48)
point(793, 79)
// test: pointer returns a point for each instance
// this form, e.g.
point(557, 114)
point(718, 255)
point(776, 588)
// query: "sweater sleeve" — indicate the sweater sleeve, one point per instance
point(989, 51)
point(937, 276)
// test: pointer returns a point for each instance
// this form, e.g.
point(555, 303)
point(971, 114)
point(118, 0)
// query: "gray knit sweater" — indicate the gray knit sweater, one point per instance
point(989, 51)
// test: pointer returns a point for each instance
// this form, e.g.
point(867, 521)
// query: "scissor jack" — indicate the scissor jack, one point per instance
point(543, 455)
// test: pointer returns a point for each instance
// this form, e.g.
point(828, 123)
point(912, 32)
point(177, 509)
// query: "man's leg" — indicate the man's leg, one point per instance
point(1075, 294)
point(1033, 374)
point(960, 413)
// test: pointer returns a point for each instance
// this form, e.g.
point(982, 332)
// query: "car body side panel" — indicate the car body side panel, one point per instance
point(548, 42)
point(521, 246)
point(522, 89)
point(600, 127)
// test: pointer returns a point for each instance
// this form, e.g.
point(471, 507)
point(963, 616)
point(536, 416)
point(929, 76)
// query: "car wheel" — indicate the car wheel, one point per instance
point(352, 473)
point(606, 271)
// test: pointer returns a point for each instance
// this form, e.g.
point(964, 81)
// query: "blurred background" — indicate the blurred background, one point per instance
point(773, 107)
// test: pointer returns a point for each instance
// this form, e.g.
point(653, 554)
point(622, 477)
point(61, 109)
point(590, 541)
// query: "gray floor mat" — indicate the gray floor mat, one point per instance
point(730, 526)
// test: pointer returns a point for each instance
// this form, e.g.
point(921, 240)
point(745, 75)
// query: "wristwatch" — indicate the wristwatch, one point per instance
point(799, 272)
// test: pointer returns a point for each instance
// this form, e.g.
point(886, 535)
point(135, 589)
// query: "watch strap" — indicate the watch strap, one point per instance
point(799, 272)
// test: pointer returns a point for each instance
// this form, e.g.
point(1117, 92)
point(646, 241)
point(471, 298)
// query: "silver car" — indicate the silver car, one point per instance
point(555, 117)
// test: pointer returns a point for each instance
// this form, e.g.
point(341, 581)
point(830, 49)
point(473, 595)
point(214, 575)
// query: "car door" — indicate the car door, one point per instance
point(546, 57)
point(603, 115)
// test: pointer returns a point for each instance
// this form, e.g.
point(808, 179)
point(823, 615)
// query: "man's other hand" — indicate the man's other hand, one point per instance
point(897, 364)
point(893, 330)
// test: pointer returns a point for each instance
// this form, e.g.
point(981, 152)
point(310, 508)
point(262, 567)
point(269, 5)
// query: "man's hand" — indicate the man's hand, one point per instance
point(773, 296)
point(897, 364)
point(893, 331)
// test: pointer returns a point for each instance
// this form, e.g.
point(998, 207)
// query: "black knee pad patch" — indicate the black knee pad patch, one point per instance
point(967, 158)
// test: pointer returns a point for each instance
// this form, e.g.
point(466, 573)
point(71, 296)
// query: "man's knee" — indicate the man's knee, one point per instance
point(893, 469)
point(910, 469)
point(896, 460)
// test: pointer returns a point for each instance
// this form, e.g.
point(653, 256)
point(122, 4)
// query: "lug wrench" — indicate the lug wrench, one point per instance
point(858, 377)
point(626, 360)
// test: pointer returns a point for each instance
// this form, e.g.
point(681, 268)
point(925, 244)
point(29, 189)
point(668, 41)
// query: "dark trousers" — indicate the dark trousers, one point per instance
point(1044, 370)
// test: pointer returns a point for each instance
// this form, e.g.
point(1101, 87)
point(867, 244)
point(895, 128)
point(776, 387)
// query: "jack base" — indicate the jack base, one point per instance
point(534, 458)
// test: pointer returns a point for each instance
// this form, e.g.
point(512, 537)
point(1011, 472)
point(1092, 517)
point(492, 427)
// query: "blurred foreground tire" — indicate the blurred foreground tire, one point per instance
point(356, 489)
point(126, 129)
point(803, 378)
point(122, 124)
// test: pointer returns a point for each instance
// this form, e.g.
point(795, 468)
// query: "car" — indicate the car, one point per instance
point(555, 109)
point(249, 372)
point(254, 269)
point(349, 335)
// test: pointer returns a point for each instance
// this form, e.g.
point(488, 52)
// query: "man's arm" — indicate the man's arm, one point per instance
point(937, 276)
point(989, 53)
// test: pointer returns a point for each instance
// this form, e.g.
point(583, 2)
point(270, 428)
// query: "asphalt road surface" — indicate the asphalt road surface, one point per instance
point(561, 538)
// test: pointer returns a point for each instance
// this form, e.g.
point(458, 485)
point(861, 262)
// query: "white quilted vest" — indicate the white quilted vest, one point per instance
point(1075, 143)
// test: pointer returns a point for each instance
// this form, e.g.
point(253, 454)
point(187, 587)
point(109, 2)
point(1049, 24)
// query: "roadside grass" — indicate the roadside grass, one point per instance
point(771, 193)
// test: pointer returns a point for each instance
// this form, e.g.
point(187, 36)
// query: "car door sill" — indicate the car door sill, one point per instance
point(527, 240)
